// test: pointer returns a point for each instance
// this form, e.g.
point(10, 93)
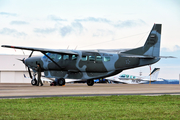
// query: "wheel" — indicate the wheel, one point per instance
point(90, 82)
point(33, 82)
point(61, 81)
point(53, 84)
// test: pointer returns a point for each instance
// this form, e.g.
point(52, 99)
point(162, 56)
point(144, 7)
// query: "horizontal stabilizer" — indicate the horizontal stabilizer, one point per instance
point(167, 57)
point(136, 56)
point(143, 56)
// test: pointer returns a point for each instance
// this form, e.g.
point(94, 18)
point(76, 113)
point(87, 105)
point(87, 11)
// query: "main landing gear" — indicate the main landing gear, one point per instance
point(53, 83)
point(90, 82)
point(60, 82)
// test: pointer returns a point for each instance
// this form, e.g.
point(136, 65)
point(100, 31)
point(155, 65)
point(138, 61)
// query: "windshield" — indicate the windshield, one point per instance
point(48, 54)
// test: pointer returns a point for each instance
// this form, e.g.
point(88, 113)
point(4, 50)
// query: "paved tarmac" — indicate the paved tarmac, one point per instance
point(15, 90)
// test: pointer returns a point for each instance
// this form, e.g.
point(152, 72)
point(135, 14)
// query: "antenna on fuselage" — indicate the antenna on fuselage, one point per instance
point(75, 47)
point(140, 73)
point(23, 52)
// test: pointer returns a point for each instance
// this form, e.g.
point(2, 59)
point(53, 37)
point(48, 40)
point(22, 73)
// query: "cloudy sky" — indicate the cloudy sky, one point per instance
point(92, 24)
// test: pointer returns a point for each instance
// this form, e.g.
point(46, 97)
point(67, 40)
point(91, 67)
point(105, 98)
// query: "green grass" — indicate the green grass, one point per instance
point(100, 107)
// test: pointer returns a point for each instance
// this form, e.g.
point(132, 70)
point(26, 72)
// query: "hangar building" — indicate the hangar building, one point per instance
point(13, 70)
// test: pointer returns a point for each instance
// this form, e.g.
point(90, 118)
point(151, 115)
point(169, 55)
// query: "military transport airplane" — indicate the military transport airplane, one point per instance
point(87, 65)
point(130, 79)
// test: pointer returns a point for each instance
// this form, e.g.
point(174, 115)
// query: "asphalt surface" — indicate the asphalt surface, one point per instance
point(15, 90)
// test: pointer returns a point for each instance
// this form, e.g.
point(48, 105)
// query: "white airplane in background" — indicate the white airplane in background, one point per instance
point(130, 79)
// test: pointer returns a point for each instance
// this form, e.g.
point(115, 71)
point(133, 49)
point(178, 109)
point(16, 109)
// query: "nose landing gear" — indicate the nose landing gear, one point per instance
point(34, 82)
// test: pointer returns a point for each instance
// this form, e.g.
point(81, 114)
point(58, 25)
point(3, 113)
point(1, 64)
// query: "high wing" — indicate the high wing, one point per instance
point(43, 50)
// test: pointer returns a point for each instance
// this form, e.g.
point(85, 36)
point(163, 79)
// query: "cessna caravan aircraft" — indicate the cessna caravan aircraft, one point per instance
point(87, 65)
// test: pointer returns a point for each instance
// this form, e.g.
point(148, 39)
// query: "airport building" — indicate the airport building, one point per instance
point(13, 70)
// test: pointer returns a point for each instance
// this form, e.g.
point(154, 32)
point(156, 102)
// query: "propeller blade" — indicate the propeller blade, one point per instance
point(21, 60)
point(29, 73)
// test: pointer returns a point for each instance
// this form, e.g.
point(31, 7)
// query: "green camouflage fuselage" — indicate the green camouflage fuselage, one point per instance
point(86, 65)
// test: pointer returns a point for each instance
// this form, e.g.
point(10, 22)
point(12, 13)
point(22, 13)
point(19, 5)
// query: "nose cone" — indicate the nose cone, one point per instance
point(32, 62)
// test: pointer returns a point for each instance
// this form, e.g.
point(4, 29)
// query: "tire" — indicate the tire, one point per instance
point(61, 81)
point(53, 84)
point(90, 82)
point(33, 82)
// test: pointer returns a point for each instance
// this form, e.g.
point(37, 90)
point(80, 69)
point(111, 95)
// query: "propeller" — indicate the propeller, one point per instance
point(23, 60)
point(29, 73)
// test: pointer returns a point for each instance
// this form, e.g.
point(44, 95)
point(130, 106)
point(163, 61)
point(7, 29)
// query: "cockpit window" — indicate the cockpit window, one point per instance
point(65, 57)
point(106, 59)
point(122, 76)
point(48, 54)
point(91, 58)
point(84, 58)
point(74, 57)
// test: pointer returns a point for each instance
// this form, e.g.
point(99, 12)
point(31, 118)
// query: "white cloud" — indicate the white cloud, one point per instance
point(18, 23)
point(55, 18)
point(13, 32)
point(44, 31)
point(8, 14)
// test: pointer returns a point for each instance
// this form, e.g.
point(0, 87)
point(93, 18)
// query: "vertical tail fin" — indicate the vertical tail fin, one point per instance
point(154, 74)
point(152, 44)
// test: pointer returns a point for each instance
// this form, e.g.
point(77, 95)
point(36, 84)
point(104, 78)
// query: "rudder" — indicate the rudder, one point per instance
point(152, 44)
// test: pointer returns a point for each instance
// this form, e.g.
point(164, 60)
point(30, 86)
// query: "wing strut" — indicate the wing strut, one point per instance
point(51, 60)
point(31, 54)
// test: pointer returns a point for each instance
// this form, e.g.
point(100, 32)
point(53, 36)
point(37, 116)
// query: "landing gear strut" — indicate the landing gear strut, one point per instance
point(34, 80)
point(90, 82)
point(61, 81)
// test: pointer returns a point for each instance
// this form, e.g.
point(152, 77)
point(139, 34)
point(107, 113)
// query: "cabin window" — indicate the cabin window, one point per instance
point(65, 57)
point(74, 57)
point(91, 58)
point(59, 56)
point(84, 58)
point(106, 59)
point(153, 36)
point(52, 56)
point(127, 76)
point(98, 58)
